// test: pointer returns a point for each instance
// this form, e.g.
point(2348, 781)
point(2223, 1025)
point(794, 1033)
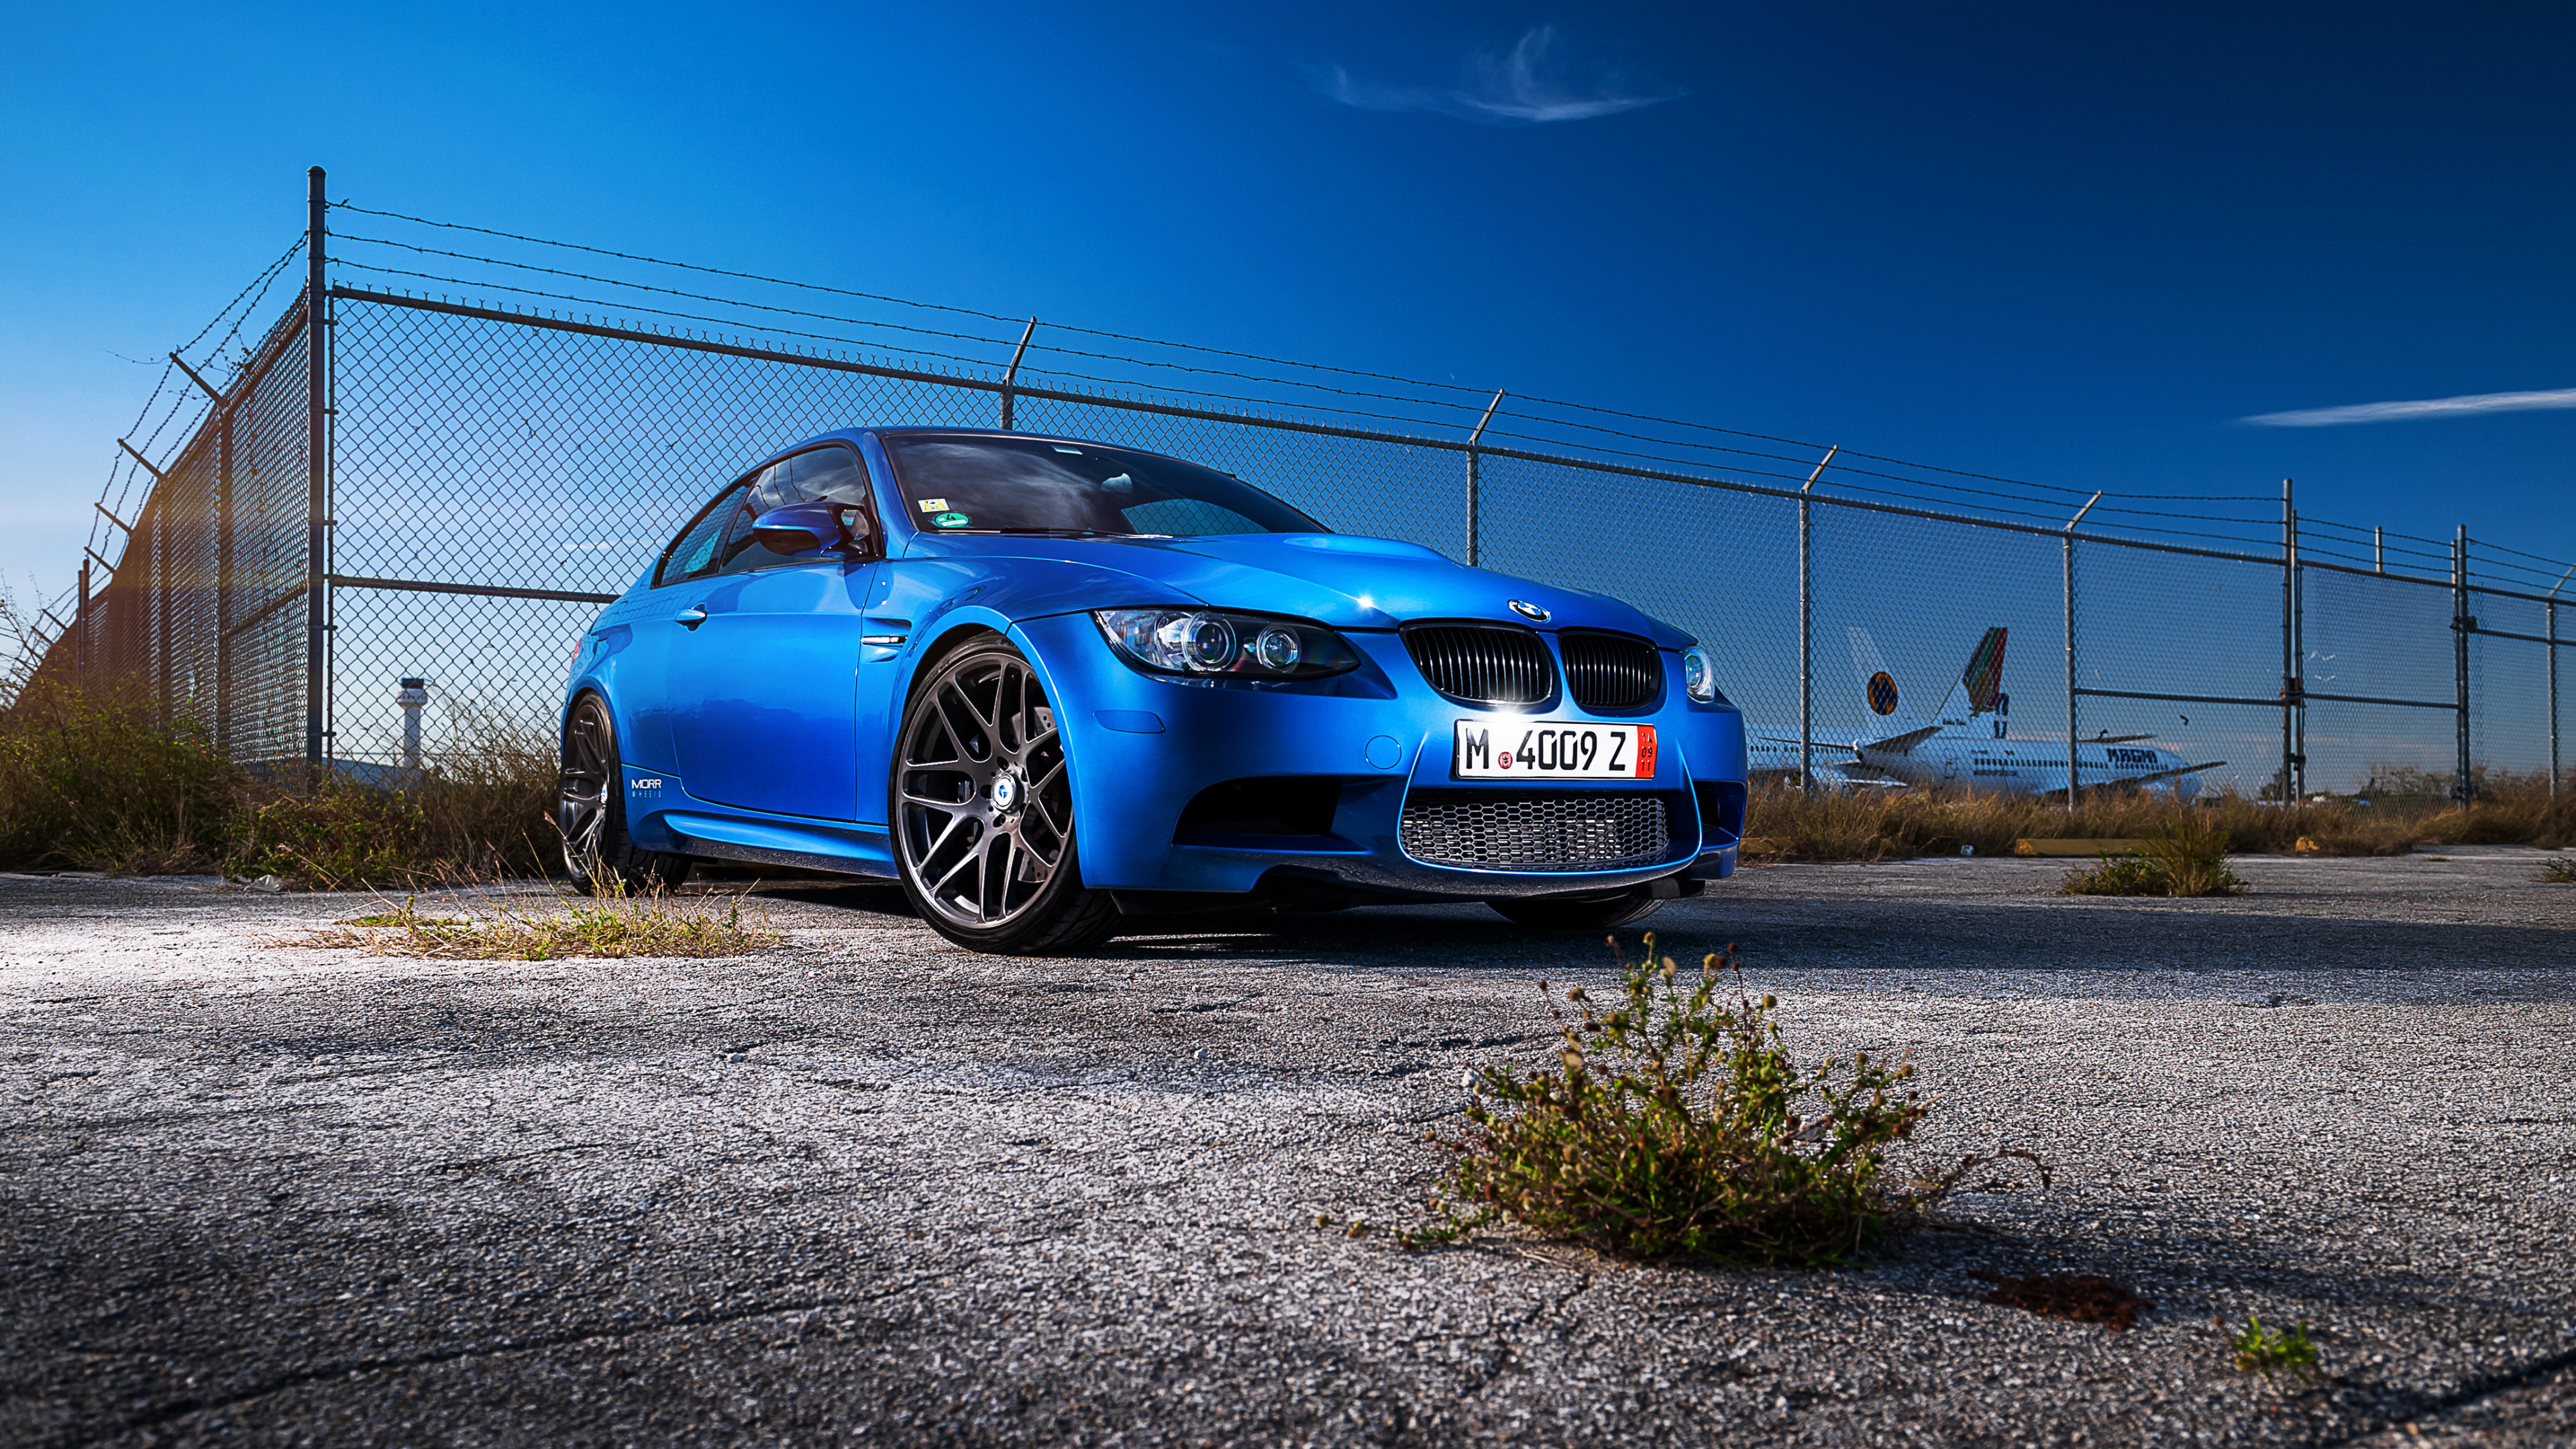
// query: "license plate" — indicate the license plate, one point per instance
point(1553, 750)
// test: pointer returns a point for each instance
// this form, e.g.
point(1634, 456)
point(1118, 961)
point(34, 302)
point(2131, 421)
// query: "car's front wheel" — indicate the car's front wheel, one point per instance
point(982, 804)
point(590, 812)
point(1543, 914)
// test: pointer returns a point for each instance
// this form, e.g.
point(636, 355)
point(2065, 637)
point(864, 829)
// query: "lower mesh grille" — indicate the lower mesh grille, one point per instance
point(1535, 830)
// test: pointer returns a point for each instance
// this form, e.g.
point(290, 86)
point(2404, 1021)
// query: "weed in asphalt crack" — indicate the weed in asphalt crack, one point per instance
point(2270, 1351)
point(615, 925)
point(1671, 1127)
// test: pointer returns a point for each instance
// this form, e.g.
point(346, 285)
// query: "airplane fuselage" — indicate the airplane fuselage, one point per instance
point(1965, 761)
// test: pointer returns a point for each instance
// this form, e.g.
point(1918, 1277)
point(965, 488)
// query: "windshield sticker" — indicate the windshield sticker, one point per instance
point(934, 505)
point(950, 520)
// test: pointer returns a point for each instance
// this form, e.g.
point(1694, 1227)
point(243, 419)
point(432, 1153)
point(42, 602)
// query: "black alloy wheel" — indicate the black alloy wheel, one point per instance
point(1542, 914)
point(590, 812)
point(983, 810)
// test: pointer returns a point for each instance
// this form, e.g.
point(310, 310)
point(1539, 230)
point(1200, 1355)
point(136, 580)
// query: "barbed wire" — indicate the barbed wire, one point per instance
point(1438, 425)
point(1478, 394)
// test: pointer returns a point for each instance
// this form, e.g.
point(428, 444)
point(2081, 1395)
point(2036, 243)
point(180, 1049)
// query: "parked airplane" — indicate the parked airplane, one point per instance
point(1968, 742)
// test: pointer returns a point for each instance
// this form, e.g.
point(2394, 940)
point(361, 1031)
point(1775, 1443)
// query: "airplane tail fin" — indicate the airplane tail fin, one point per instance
point(1984, 676)
point(1980, 689)
point(1889, 715)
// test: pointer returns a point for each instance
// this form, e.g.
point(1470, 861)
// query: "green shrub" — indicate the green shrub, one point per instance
point(1677, 1125)
point(2186, 858)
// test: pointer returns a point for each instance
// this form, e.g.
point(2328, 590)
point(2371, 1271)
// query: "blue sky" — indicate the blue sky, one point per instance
point(2071, 243)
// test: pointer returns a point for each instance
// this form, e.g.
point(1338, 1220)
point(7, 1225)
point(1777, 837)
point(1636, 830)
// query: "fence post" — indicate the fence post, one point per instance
point(2462, 622)
point(80, 631)
point(1807, 637)
point(317, 460)
point(2066, 568)
point(1475, 482)
point(2289, 647)
point(1011, 374)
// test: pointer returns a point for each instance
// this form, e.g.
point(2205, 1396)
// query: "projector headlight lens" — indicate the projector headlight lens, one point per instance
point(1220, 643)
point(1699, 675)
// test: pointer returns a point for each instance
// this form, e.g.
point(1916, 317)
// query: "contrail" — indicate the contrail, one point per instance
point(2431, 407)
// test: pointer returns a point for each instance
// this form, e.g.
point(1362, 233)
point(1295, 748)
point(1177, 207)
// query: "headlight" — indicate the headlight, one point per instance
point(1207, 642)
point(1699, 675)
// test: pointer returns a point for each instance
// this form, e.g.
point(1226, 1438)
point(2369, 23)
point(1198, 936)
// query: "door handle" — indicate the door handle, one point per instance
point(690, 618)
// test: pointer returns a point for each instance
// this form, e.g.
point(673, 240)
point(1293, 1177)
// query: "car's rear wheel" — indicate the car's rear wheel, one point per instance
point(1594, 915)
point(590, 812)
point(982, 805)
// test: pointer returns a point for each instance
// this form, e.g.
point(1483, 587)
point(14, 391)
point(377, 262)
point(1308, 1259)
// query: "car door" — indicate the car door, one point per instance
point(766, 679)
point(647, 695)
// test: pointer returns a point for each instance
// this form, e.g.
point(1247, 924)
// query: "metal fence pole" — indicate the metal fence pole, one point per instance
point(2288, 645)
point(2066, 566)
point(1475, 482)
point(2461, 624)
point(317, 459)
point(1011, 374)
point(1807, 635)
point(80, 629)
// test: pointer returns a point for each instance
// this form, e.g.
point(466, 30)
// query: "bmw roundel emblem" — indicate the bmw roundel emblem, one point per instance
point(1529, 611)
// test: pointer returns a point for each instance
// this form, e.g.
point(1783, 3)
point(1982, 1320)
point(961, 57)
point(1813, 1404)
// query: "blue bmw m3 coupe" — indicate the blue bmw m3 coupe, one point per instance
point(1051, 686)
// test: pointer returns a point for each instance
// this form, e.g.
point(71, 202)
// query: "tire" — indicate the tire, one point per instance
point(590, 812)
point(1542, 914)
point(991, 867)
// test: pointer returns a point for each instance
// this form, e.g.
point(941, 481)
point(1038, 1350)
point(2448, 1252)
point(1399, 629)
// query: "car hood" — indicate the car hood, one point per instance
point(1354, 582)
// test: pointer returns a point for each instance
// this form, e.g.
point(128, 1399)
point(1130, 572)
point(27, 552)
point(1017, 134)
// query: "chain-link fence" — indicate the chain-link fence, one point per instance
point(493, 471)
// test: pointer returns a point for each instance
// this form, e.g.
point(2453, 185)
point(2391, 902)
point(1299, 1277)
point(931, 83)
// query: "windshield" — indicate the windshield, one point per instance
point(955, 484)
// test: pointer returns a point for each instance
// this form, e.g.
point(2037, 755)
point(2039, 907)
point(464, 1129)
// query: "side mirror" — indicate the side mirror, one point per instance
point(811, 528)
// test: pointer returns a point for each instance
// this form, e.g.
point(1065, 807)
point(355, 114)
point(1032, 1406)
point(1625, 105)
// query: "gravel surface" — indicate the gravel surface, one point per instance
point(869, 1188)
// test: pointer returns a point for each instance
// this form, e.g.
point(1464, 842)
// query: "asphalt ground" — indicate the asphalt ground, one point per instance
point(868, 1188)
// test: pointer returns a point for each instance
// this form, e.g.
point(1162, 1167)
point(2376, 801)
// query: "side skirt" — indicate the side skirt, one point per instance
point(845, 850)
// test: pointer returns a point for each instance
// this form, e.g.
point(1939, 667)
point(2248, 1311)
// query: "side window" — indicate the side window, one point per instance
point(694, 551)
point(822, 475)
point(829, 473)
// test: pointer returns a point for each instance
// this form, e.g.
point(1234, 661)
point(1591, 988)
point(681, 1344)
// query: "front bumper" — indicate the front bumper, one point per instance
point(1144, 746)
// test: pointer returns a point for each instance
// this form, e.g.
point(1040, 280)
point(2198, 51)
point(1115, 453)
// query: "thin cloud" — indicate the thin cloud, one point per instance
point(2431, 407)
point(1524, 86)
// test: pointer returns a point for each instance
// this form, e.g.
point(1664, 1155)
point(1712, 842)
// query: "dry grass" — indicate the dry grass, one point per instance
point(647, 925)
point(97, 781)
point(1899, 824)
point(93, 780)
